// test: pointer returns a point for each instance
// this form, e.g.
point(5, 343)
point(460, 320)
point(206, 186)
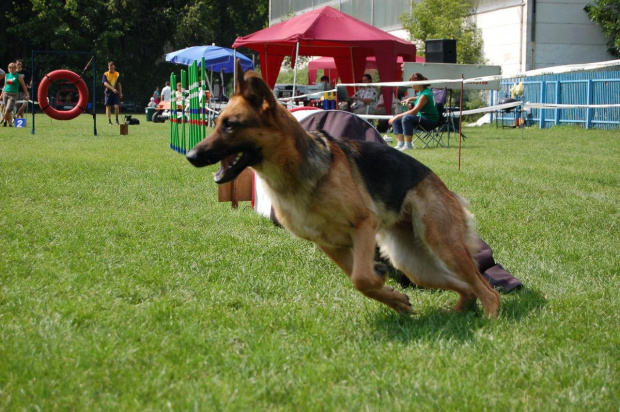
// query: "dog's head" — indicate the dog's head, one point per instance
point(241, 131)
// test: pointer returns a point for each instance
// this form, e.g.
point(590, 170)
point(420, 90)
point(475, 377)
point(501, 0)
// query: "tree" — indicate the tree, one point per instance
point(202, 22)
point(136, 34)
point(446, 19)
point(606, 13)
point(287, 76)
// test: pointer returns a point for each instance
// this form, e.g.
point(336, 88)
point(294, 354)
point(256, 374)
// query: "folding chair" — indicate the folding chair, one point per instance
point(440, 96)
point(434, 135)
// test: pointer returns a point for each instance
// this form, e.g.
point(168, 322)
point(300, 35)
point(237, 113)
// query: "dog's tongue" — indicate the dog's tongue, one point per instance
point(217, 176)
point(225, 165)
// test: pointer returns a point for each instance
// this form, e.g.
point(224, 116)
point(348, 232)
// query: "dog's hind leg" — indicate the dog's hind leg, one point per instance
point(458, 259)
point(443, 224)
point(409, 254)
point(368, 278)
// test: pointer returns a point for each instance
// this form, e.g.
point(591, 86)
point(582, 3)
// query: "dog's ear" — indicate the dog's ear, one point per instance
point(259, 94)
point(241, 84)
point(254, 89)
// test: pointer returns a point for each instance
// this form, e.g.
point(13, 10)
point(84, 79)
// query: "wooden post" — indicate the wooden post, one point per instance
point(238, 190)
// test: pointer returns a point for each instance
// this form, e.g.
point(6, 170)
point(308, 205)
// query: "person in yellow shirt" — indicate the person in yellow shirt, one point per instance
point(113, 91)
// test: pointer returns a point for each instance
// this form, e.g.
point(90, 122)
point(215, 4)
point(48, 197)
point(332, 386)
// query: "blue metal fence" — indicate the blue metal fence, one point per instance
point(591, 88)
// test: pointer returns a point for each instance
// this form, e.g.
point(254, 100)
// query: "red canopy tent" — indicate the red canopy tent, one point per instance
point(328, 65)
point(328, 32)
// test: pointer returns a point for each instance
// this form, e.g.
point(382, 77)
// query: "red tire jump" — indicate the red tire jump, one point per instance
point(71, 77)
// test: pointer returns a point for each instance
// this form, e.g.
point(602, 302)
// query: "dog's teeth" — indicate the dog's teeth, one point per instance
point(239, 155)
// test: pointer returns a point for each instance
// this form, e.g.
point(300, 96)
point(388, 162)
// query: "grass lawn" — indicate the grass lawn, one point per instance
point(125, 285)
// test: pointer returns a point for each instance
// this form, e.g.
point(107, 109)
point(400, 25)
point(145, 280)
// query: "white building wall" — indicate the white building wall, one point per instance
point(539, 33)
point(521, 35)
point(563, 34)
point(504, 37)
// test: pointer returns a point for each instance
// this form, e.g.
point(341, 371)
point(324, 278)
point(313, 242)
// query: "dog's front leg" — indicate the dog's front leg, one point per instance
point(364, 277)
point(368, 278)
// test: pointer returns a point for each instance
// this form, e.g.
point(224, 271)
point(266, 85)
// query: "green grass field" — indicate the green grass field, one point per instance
point(125, 285)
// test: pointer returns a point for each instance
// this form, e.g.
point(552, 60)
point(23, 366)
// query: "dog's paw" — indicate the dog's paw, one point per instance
point(403, 306)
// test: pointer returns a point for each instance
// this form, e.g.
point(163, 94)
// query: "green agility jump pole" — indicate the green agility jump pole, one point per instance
point(193, 82)
point(174, 125)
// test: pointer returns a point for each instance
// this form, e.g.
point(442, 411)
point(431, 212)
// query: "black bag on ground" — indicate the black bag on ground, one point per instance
point(493, 272)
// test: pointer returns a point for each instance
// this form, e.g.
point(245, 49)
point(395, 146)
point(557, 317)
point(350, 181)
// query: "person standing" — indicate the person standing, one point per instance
point(113, 91)
point(325, 84)
point(179, 94)
point(324, 101)
point(166, 92)
point(28, 80)
point(156, 95)
point(12, 81)
point(2, 75)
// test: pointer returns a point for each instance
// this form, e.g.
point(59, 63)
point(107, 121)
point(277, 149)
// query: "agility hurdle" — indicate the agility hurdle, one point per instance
point(34, 89)
point(193, 87)
point(174, 127)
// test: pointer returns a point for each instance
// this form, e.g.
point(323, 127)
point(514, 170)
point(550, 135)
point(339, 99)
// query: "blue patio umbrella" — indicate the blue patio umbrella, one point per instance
point(217, 58)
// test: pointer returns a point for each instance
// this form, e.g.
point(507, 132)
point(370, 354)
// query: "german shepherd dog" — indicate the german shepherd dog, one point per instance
point(348, 195)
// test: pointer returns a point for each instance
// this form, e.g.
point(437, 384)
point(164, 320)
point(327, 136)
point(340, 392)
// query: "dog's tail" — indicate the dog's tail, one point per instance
point(471, 236)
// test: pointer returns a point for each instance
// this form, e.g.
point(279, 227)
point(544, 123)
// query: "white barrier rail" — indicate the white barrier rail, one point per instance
point(568, 106)
point(506, 106)
point(570, 68)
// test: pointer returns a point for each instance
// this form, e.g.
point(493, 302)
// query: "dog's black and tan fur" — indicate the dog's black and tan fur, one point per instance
point(345, 195)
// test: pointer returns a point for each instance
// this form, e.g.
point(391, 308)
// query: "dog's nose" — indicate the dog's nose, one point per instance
point(198, 158)
point(192, 156)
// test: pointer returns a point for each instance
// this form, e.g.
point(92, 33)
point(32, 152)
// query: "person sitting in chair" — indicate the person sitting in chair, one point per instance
point(380, 107)
point(424, 114)
point(364, 99)
point(382, 125)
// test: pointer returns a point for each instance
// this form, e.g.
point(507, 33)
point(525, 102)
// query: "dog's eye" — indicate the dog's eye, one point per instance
point(230, 124)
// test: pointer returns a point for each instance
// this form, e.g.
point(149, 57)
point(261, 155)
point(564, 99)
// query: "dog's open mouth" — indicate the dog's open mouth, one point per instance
point(231, 166)
point(232, 160)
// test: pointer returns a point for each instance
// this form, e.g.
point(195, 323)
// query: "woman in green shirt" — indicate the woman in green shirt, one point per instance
point(12, 81)
point(424, 114)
